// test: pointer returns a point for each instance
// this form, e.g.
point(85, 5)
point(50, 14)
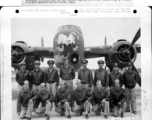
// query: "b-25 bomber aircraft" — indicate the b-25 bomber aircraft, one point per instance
point(69, 43)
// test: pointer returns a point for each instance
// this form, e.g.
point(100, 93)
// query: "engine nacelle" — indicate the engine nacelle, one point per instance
point(18, 48)
point(123, 58)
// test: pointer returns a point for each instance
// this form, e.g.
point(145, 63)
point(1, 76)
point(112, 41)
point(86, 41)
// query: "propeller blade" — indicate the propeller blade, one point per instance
point(135, 38)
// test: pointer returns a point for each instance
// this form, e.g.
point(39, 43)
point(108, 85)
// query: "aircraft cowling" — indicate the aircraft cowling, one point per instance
point(123, 58)
point(18, 48)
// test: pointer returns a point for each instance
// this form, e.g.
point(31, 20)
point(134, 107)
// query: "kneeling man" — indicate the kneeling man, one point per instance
point(80, 96)
point(118, 99)
point(100, 100)
point(62, 100)
point(24, 104)
point(45, 98)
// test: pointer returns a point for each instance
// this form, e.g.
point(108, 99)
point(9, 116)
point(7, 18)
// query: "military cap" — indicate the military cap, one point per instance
point(115, 65)
point(84, 61)
point(22, 63)
point(98, 82)
point(78, 81)
point(129, 64)
point(37, 63)
point(50, 62)
point(100, 62)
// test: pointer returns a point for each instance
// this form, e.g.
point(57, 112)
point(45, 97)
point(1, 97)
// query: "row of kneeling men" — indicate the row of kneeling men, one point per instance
point(50, 78)
point(79, 101)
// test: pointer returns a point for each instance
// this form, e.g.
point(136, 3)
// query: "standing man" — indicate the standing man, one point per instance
point(24, 104)
point(100, 100)
point(85, 75)
point(118, 98)
point(62, 100)
point(37, 77)
point(130, 80)
point(80, 95)
point(51, 78)
point(101, 74)
point(46, 99)
point(115, 74)
point(67, 73)
point(22, 75)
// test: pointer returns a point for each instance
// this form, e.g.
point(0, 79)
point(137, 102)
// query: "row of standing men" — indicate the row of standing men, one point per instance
point(67, 73)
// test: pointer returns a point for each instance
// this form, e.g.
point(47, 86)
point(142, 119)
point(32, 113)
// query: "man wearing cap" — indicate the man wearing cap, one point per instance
point(80, 96)
point(115, 74)
point(118, 98)
point(44, 101)
point(62, 100)
point(22, 75)
point(101, 74)
point(37, 77)
point(85, 75)
point(100, 100)
point(24, 104)
point(67, 73)
point(130, 80)
point(51, 77)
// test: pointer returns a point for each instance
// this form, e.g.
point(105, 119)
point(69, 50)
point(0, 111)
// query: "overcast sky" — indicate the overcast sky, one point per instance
point(94, 31)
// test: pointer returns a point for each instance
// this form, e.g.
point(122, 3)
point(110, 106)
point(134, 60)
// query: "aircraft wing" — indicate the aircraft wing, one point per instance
point(45, 52)
point(98, 51)
point(102, 51)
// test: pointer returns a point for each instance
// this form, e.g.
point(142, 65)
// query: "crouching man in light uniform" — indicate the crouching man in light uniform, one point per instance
point(100, 100)
point(24, 104)
point(118, 99)
point(62, 100)
point(80, 96)
point(44, 100)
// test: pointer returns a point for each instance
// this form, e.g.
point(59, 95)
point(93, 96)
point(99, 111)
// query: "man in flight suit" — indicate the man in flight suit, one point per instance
point(118, 99)
point(130, 80)
point(80, 96)
point(22, 75)
point(85, 75)
point(67, 74)
point(51, 77)
point(44, 101)
point(100, 100)
point(37, 77)
point(24, 104)
point(62, 100)
point(101, 74)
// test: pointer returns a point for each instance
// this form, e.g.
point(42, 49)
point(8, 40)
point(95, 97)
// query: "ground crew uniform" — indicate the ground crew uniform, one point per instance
point(62, 101)
point(68, 74)
point(130, 80)
point(41, 99)
point(118, 96)
point(24, 107)
point(52, 80)
point(85, 75)
point(101, 74)
point(100, 101)
point(80, 96)
point(37, 78)
point(21, 76)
